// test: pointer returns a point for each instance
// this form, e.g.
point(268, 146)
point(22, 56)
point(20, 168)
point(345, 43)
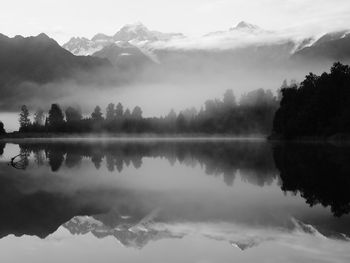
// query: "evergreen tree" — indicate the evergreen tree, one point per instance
point(171, 117)
point(97, 114)
point(181, 123)
point(127, 114)
point(73, 115)
point(119, 111)
point(229, 99)
point(2, 129)
point(110, 112)
point(136, 113)
point(56, 117)
point(24, 121)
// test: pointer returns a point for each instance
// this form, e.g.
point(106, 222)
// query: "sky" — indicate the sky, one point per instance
point(63, 19)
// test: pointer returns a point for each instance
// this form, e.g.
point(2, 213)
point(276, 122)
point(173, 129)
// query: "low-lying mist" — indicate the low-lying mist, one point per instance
point(182, 80)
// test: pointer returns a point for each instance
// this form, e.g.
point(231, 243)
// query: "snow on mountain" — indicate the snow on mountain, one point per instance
point(241, 27)
point(81, 46)
point(136, 31)
point(152, 44)
point(137, 35)
point(245, 26)
point(332, 37)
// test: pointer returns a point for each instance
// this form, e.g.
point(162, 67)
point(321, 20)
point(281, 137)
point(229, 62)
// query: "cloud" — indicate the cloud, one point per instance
point(231, 39)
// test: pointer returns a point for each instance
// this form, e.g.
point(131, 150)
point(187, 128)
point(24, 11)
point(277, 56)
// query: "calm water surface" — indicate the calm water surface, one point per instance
point(173, 201)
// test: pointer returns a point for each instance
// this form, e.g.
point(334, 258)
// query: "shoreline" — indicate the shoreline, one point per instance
point(339, 138)
point(130, 137)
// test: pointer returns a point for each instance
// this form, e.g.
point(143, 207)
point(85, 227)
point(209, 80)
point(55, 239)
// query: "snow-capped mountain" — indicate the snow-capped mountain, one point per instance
point(136, 34)
point(81, 46)
point(333, 46)
point(241, 28)
point(245, 26)
point(136, 49)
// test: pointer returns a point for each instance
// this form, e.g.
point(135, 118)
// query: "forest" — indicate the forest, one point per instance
point(252, 114)
point(319, 107)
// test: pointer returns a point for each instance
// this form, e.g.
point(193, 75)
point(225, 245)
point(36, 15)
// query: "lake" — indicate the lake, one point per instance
point(173, 200)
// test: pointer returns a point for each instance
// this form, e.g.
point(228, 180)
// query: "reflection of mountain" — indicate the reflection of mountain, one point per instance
point(244, 245)
point(252, 159)
point(129, 231)
point(320, 173)
point(39, 205)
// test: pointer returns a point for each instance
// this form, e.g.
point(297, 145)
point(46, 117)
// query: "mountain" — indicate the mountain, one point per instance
point(241, 27)
point(124, 56)
point(38, 60)
point(244, 25)
point(81, 46)
point(135, 34)
point(332, 46)
point(242, 36)
point(138, 32)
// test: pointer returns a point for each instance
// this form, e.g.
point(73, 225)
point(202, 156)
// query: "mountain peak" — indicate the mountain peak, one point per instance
point(245, 25)
point(43, 36)
point(136, 31)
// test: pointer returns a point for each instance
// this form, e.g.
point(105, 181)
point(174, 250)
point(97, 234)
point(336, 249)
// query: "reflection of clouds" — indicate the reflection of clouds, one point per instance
point(248, 236)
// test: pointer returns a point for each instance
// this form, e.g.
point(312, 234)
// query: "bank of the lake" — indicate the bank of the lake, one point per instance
point(335, 138)
point(130, 136)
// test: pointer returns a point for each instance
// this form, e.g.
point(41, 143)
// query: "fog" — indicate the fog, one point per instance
point(188, 74)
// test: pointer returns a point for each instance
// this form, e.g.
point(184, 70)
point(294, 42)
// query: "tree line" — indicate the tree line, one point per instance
point(253, 114)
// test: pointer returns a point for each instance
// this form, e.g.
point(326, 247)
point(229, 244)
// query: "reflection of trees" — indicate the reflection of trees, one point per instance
point(29, 210)
point(73, 160)
point(39, 156)
point(2, 147)
point(252, 159)
point(56, 158)
point(40, 213)
point(320, 173)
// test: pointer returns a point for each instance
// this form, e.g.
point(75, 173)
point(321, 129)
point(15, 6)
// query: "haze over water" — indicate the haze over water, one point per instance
point(173, 201)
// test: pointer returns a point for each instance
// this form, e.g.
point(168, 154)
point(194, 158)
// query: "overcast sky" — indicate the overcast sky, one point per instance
point(62, 19)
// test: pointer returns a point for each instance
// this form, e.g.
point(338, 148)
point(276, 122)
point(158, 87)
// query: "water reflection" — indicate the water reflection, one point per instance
point(2, 147)
point(320, 173)
point(93, 187)
point(253, 159)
